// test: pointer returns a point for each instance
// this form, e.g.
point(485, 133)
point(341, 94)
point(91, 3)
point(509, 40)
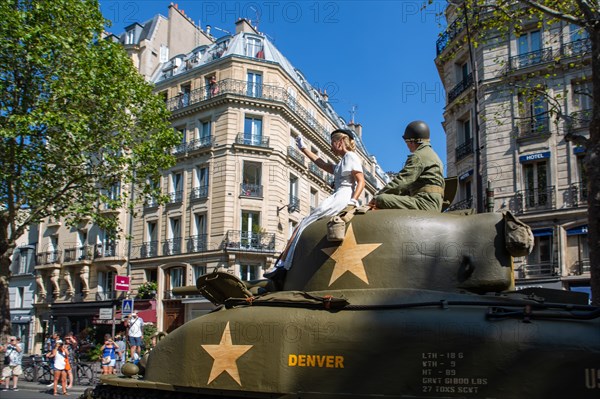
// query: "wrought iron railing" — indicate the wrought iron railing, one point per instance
point(272, 93)
point(577, 47)
point(293, 204)
point(175, 197)
point(243, 240)
point(449, 34)
point(579, 120)
point(150, 202)
point(251, 190)
point(149, 249)
point(534, 200)
point(576, 195)
point(197, 243)
point(199, 143)
point(84, 252)
point(464, 149)
point(315, 170)
point(172, 246)
point(529, 59)
point(542, 269)
point(253, 140)
point(464, 204)
point(460, 88)
point(199, 192)
point(48, 258)
point(296, 155)
point(534, 127)
point(104, 250)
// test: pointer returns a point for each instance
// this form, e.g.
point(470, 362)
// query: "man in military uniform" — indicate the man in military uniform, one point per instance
point(420, 184)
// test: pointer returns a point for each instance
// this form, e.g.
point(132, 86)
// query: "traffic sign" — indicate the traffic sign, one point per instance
point(121, 283)
point(127, 307)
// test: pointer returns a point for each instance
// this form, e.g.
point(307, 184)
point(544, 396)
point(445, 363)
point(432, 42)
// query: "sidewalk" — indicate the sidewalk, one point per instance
point(75, 391)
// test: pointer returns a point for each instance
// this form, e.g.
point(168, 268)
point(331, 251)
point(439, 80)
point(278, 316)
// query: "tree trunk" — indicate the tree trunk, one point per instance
point(5, 253)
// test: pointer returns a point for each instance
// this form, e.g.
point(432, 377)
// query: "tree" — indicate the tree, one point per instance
point(76, 119)
point(493, 18)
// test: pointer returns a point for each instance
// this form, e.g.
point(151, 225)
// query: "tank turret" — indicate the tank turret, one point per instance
point(409, 304)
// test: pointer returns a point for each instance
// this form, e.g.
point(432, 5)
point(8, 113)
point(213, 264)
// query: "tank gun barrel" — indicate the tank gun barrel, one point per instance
point(186, 290)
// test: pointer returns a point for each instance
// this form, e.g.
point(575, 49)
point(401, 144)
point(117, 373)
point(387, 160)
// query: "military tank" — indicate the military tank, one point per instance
point(409, 305)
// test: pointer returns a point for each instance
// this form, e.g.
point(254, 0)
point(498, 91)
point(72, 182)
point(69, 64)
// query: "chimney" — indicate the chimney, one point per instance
point(356, 128)
point(208, 29)
point(325, 96)
point(243, 25)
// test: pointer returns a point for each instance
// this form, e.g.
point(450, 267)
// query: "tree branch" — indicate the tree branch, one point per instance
point(552, 12)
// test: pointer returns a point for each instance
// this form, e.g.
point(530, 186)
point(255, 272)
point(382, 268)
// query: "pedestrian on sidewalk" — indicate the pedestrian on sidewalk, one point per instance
point(13, 354)
point(61, 358)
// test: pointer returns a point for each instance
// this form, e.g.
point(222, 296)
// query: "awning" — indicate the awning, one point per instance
point(577, 230)
point(16, 319)
point(542, 232)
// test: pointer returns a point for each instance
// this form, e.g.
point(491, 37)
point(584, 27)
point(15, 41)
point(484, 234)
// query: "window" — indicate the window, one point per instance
point(465, 139)
point(248, 272)
point(530, 42)
point(26, 260)
point(105, 285)
point(252, 131)
point(536, 184)
point(294, 201)
point(199, 271)
point(204, 131)
point(200, 183)
point(534, 118)
point(151, 275)
point(176, 191)
point(173, 243)
point(175, 277)
point(250, 233)
point(254, 88)
point(164, 53)
point(251, 179)
point(291, 227)
point(539, 262)
point(150, 246)
point(254, 47)
point(578, 41)
point(468, 190)
point(198, 239)
point(184, 95)
point(19, 297)
point(314, 199)
point(107, 244)
point(130, 37)
point(582, 95)
point(464, 72)
point(291, 97)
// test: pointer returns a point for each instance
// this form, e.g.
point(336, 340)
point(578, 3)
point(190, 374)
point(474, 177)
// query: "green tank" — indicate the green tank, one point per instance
point(409, 305)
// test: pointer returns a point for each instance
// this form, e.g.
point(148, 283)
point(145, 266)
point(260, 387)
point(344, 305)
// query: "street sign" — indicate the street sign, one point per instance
point(127, 307)
point(106, 314)
point(121, 283)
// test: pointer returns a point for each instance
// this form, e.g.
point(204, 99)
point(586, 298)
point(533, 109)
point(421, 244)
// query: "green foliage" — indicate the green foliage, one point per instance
point(147, 290)
point(149, 331)
point(76, 118)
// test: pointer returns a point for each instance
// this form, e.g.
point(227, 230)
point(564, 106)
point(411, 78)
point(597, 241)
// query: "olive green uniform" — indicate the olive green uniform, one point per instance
point(419, 185)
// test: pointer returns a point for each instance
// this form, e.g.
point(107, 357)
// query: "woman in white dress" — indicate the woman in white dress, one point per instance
point(349, 182)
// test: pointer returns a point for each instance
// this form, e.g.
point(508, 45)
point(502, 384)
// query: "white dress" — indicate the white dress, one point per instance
point(344, 187)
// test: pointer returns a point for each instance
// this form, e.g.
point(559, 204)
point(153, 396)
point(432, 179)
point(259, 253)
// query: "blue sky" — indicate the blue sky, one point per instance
point(375, 56)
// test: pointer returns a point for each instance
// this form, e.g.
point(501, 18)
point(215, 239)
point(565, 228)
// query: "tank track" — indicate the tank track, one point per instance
point(104, 391)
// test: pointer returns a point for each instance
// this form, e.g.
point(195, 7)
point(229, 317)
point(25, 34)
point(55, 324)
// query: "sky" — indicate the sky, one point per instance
point(373, 57)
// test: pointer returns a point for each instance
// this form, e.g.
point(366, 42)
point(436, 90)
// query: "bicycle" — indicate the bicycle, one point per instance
point(38, 369)
point(85, 374)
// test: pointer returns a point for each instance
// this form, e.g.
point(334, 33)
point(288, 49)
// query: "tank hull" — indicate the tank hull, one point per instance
point(387, 343)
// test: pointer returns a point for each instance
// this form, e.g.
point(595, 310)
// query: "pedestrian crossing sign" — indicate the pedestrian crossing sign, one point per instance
point(127, 307)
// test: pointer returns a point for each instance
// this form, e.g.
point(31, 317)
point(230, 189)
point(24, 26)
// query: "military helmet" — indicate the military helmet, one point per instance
point(416, 131)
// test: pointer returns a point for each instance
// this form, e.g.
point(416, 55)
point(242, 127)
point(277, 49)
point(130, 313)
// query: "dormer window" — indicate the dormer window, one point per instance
point(254, 47)
point(130, 37)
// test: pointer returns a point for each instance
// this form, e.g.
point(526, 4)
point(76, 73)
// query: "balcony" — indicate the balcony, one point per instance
point(315, 170)
point(577, 48)
point(76, 254)
point(534, 128)
point(48, 258)
point(579, 120)
point(251, 190)
point(370, 178)
point(243, 240)
point(108, 295)
point(197, 243)
point(150, 202)
point(252, 140)
point(175, 197)
point(242, 88)
point(580, 267)
point(464, 149)
point(535, 200)
point(460, 205)
point(296, 155)
point(149, 249)
point(576, 195)
point(172, 246)
point(197, 144)
point(449, 34)
point(105, 250)
point(537, 270)
point(530, 59)
point(294, 204)
point(460, 88)
point(199, 193)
